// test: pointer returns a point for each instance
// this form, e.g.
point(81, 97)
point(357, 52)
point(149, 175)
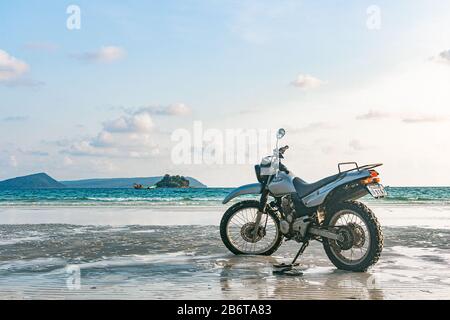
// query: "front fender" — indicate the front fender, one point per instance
point(254, 188)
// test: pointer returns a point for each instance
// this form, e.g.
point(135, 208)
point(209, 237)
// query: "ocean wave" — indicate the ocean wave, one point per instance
point(414, 199)
point(110, 204)
point(186, 197)
point(158, 199)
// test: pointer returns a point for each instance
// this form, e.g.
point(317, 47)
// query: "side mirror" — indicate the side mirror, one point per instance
point(281, 132)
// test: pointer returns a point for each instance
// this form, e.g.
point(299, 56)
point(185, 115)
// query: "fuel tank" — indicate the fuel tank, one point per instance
point(282, 184)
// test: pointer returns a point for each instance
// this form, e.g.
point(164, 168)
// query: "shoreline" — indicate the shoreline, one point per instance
point(405, 215)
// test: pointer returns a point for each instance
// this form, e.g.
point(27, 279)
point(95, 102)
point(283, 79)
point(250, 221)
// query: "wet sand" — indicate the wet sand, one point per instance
point(176, 253)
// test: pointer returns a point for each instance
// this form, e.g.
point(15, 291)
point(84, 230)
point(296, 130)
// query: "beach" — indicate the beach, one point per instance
point(175, 252)
point(125, 125)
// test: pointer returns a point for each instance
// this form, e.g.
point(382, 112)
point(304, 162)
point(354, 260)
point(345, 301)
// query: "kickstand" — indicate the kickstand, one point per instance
point(287, 269)
point(302, 249)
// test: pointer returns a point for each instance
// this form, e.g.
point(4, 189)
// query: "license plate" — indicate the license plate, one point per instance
point(376, 190)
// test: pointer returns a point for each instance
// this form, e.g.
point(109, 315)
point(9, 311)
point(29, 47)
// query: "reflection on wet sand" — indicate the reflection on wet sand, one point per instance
point(252, 278)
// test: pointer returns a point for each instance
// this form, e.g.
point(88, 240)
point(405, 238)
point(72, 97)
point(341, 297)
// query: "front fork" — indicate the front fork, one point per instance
point(261, 209)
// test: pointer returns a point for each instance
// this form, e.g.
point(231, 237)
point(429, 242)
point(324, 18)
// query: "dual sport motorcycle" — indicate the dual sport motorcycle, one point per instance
point(290, 208)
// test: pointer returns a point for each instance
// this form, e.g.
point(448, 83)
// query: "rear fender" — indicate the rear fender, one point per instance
point(318, 197)
point(350, 191)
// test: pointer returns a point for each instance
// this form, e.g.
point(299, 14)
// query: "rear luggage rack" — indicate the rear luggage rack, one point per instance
point(358, 168)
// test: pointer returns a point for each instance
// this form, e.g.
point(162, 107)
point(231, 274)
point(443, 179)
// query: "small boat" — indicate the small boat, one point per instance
point(138, 186)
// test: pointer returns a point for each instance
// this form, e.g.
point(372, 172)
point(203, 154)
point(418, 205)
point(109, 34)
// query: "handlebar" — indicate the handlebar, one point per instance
point(282, 150)
point(282, 167)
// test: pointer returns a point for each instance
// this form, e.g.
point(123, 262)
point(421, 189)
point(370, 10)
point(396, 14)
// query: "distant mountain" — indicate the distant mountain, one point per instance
point(124, 182)
point(33, 181)
point(43, 181)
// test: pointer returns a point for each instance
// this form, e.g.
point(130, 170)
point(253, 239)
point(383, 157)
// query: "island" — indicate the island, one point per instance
point(169, 181)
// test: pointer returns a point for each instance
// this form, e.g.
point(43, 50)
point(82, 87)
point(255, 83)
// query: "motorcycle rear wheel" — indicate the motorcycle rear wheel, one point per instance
point(363, 242)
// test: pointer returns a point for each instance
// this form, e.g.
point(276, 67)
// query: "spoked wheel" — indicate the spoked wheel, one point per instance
point(361, 237)
point(237, 230)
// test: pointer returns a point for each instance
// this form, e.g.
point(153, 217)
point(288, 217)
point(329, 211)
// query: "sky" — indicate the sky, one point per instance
point(92, 89)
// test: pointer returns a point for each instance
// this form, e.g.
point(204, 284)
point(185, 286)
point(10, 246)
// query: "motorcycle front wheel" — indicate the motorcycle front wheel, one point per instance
point(362, 238)
point(238, 225)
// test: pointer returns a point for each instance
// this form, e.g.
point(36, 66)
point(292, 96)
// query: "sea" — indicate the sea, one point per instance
point(185, 197)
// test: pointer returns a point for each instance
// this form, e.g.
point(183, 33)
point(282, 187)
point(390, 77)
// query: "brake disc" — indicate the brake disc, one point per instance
point(347, 235)
point(359, 236)
point(247, 232)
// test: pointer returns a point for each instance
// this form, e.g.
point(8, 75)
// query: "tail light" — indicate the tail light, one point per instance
point(373, 178)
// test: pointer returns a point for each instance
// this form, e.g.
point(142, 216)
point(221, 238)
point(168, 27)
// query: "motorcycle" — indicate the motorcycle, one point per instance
point(291, 209)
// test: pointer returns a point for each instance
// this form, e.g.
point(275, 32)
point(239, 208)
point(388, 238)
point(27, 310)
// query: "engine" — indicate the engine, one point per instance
point(288, 207)
point(294, 225)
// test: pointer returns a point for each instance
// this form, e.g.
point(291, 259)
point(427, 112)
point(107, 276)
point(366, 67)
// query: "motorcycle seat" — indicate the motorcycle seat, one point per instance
point(303, 188)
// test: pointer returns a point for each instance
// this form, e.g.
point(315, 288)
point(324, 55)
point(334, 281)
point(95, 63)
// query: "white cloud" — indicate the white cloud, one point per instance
point(177, 109)
point(137, 122)
point(132, 135)
point(11, 68)
point(13, 72)
point(118, 145)
point(127, 136)
point(443, 57)
point(145, 154)
point(106, 54)
point(83, 148)
point(67, 161)
point(424, 119)
point(13, 161)
point(103, 139)
point(312, 127)
point(405, 117)
point(373, 115)
point(34, 153)
point(356, 145)
point(305, 81)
